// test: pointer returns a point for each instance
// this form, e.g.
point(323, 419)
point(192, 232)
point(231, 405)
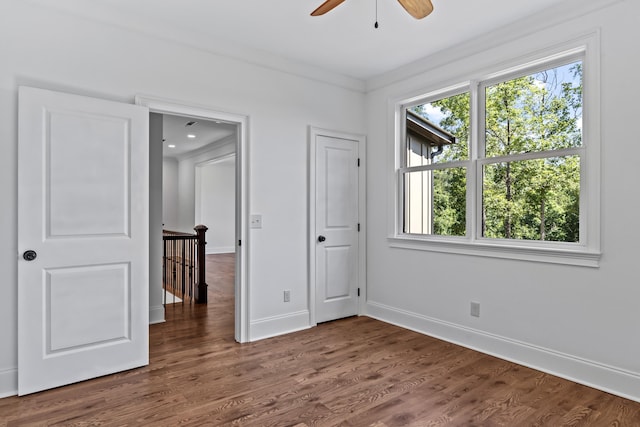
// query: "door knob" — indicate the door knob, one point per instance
point(321, 239)
point(29, 255)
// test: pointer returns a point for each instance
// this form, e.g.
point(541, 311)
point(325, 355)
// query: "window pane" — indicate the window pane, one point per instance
point(435, 202)
point(532, 200)
point(538, 112)
point(438, 131)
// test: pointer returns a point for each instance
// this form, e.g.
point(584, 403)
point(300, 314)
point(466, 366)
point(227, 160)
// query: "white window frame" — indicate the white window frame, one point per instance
point(584, 253)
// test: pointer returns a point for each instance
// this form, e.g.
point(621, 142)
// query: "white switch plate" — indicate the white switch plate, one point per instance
point(255, 221)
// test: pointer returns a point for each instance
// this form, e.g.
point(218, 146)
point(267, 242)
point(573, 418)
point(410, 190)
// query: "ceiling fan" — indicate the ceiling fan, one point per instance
point(416, 8)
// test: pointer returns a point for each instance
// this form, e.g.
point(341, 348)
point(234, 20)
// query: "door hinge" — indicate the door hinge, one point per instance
point(239, 242)
point(358, 161)
point(358, 227)
point(358, 291)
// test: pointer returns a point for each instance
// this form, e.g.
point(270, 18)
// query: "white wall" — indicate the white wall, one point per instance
point(578, 322)
point(52, 50)
point(187, 185)
point(215, 203)
point(186, 195)
point(170, 193)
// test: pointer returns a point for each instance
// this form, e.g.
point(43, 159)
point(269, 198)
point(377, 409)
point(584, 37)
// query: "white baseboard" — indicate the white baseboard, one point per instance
point(8, 383)
point(156, 314)
point(221, 250)
point(278, 325)
point(593, 374)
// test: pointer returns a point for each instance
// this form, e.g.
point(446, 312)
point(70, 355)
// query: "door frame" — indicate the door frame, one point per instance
point(164, 106)
point(314, 133)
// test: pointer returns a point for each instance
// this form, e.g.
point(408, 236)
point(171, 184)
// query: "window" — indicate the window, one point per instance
point(437, 153)
point(530, 157)
point(502, 163)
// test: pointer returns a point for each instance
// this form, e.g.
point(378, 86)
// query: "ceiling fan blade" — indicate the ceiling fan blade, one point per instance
point(417, 8)
point(326, 7)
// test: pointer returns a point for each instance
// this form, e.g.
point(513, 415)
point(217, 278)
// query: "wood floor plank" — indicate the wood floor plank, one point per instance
point(355, 372)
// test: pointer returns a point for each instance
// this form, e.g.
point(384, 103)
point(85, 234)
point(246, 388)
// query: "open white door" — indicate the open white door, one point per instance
point(83, 209)
point(336, 225)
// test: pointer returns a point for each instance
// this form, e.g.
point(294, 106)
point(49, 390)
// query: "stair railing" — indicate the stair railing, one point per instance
point(184, 265)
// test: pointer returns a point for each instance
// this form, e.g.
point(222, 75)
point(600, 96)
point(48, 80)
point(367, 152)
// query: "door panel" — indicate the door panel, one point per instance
point(83, 208)
point(75, 301)
point(338, 272)
point(337, 170)
point(75, 208)
point(337, 221)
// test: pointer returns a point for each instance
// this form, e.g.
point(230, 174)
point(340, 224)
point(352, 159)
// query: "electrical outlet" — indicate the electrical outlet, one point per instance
point(287, 296)
point(255, 221)
point(475, 309)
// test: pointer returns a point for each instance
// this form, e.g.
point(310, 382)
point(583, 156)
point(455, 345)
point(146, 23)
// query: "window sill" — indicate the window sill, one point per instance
point(578, 256)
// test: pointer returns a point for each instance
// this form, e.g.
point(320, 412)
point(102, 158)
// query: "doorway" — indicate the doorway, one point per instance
point(162, 107)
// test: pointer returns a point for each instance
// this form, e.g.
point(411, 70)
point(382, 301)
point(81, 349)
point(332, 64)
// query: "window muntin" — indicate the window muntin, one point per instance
point(537, 135)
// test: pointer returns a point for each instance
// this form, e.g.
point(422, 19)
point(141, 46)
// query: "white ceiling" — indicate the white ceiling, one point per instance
point(343, 41)
point(205, 132)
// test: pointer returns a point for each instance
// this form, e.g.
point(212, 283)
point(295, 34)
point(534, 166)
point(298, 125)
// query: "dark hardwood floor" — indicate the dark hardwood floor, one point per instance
point(351, 372)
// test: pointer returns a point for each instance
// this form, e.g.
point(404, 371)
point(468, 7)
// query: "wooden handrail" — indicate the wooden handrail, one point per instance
point(176, 233)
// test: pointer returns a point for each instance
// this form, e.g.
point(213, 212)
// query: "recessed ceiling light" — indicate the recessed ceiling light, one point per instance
point(171, 146)
point(191, 136)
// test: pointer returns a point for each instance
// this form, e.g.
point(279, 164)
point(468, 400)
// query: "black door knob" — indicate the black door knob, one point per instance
point(29, 255)
point(321, 239)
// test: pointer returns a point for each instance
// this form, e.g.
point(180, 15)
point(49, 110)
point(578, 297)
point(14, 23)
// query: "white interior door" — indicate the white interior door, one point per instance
point(83, 200)
point(336, 227)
